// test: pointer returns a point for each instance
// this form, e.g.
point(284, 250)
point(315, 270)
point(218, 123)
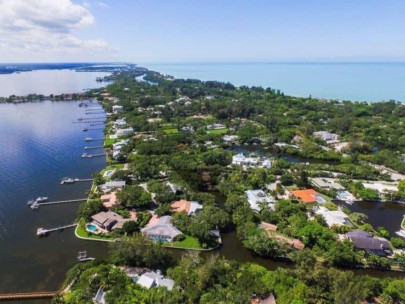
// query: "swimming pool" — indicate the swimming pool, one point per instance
point(92, 228)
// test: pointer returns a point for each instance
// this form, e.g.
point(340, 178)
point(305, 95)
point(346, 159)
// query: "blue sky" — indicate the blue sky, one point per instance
point(155, 31)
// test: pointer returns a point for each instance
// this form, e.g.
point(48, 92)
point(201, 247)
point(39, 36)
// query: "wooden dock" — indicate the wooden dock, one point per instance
point(94, 147)
point(27, 295)
point(36, 205)
point(70, 181)
point(44, 232)
point(93, 139)
point(85, 155)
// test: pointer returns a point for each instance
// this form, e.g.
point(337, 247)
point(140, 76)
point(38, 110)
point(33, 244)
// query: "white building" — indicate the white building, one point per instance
point(326, 136)
point(248, 161)
point(116, 108)
point(124, 132)
point(230, 138)
point(333, 218)
point(326, 183)
point(256, 198)
point(152, 279)
point(120, 122)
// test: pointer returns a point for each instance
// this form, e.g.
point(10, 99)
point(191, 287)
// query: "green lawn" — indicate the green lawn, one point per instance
point(171, 131)
point(109, 142)
point(189, 243)
point(81, 232)
point(218, 131)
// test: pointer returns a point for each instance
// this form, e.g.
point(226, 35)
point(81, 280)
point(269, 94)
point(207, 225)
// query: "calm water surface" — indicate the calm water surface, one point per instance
point(40, 145)
point(48, 82)
point(348, 81)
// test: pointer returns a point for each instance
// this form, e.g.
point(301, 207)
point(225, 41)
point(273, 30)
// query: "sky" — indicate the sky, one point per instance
point(162, 31)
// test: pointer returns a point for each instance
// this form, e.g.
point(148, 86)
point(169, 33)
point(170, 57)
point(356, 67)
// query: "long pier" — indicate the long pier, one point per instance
point(27, 295)
point(94, 147)
point(43, 231)
point(85, 155)
point(68, 181)
point(36, 205)
point(93, 139)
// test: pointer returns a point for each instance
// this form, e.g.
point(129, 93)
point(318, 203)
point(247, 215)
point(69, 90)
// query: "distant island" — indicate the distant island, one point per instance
point(79, 67)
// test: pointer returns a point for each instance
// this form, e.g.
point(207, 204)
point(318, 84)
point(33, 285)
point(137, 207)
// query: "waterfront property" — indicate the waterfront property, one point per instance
point(162, 230)
point(308, 196)
point(107, 221)
point(109, 186)
point(363, 240)
point(124, 132)
point(109, 200)
point(155, 279)
point(250, 161)
point(257, 199)
point(272, 233)
point(333, 218)
point(190, 207)
point(326, 183)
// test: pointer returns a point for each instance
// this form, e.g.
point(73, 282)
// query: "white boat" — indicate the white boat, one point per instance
point(41, 199)
point(88, 139)
point(86, 155)
point(401, 233)
point(67, 180)
point(82, 257)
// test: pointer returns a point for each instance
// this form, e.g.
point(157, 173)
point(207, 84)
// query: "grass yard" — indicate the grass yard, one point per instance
point(189, 243)
point(109, 142)
point(171, 131)
point(82, 233)
point(218, 131)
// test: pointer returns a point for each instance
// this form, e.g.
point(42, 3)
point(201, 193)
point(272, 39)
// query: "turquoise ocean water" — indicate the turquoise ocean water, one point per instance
point(347, 81)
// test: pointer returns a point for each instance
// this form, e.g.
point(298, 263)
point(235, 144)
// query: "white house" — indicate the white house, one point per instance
point(333, 218)
point(124, 132)
point(242, 160)
point(326, 136)
point(152, 279)
point(108, 186)
point(230, 138)
point(120, 122)
point(116, 108)
point(257, 198)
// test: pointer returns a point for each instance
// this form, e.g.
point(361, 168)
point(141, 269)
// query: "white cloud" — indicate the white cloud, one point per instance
point(46, 26)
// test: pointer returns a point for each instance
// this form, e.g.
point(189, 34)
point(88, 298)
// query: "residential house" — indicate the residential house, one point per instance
point(230, 138)
point(162, 230)
point(250, 161)
point(99, 297)
point(216, 126)
point(308, 196)
point(152, 279)
point(124, 132)
point(267, 299)
point(363, 240)
point(108, 220)
point(190, 207)
point(257, 198)
point(116, 108)
point(333, 218)
point(120, 122)
point(326, 136)
point(326, 183)
point(109, 200)
point(109, 186)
